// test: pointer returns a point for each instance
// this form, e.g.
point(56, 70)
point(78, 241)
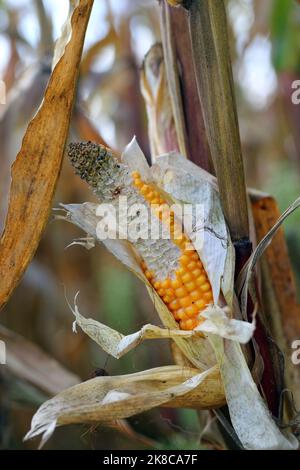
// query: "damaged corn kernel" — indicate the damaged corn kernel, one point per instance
point(173, 268)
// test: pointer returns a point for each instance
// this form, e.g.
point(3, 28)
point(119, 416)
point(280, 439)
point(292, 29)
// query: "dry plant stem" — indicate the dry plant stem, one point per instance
point(172, 73)
point(210, 46)
point(209, 39)
point(197, 145)
point(282, 312)
point(36, 169)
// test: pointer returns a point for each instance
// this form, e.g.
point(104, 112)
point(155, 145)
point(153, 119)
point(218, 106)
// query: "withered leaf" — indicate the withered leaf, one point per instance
point(28, 362)
point(36, 169)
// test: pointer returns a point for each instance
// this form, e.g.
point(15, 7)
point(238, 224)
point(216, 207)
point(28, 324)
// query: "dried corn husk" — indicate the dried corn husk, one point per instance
point(105, 398)
point(216, 351)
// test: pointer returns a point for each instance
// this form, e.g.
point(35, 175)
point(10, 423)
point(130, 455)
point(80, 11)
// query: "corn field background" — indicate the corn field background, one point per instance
point(36, 323)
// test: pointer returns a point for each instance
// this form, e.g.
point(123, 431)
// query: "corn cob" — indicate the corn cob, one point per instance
point(171, 266)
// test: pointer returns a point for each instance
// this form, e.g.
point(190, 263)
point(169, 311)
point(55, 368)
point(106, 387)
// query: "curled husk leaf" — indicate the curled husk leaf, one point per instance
point(105, 398)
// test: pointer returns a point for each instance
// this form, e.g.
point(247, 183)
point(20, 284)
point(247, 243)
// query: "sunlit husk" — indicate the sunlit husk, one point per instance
point(105, 398)
point(249, 414)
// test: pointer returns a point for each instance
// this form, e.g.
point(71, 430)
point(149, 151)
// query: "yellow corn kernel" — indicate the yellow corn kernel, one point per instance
point(184, 260)
point(200, 280)
point(191, 310)
point(195, 295)
point(166, 283)
point(190, 286)
point(181, 292)
point(145, 189)
point(189, 292)
point(185, 301)
point(200, 304)
point(148, 275)
point(187, 277)
point(175, 283)
point(191, 265)
point(170, 292)
point(205, 287)
point(196, 273)
point(174, 305)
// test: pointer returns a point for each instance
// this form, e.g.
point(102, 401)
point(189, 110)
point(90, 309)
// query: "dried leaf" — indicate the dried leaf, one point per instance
point(154, 87)
point(218, 323)
point(105, 398)
point(28, 362)
point(115, 343)
point(249, 414)
point(246, 275)
point(36, 169)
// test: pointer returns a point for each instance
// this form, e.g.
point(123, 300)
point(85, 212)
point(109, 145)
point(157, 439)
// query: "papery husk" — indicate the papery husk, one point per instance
point(116, 344)
point(105, 398)
point(249, 414)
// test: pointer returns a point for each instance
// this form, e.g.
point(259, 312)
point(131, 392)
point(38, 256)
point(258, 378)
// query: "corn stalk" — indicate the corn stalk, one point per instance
point(199, 49)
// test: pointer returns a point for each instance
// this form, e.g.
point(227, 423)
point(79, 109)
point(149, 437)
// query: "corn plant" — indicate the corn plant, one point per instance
point(201, 268)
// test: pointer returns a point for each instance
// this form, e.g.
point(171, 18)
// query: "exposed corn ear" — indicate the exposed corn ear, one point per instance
point(170, 264)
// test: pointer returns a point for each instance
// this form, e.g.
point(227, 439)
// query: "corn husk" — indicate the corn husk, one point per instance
point(213, 348)
point(249, 414)
point(105, 398)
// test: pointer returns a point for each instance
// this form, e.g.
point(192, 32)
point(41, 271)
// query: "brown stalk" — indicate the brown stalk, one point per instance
point(210, 47)
point(197, 145)
point(172, 72)
point(280, 306)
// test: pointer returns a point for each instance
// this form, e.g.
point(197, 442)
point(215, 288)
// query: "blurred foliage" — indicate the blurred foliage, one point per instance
point(285, 33)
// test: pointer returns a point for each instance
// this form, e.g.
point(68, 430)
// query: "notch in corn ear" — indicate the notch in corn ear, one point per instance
point(170, 264)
